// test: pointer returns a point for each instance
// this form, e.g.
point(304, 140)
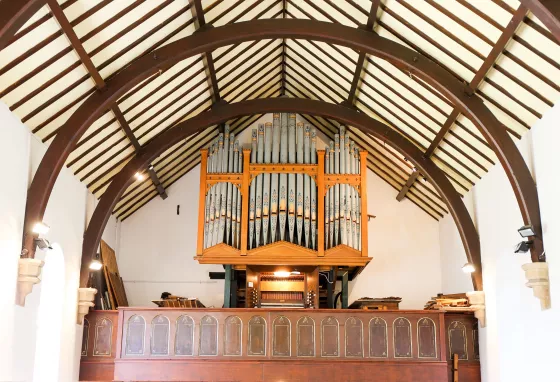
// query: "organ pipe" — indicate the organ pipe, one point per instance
point(282, 205)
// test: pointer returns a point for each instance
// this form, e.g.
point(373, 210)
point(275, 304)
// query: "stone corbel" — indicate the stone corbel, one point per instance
point(478, 306)
point(537, 279)
point(85, 301)
point(28, 275)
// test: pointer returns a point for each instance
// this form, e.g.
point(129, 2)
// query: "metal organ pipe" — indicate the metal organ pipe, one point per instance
point(223, 200)
point(342, 201)
point(279, 198)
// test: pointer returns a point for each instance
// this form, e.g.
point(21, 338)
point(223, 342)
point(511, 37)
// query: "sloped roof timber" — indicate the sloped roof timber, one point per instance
point(515, 77)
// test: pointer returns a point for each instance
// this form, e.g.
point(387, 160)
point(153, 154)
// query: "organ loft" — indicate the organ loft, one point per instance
point(283, 209)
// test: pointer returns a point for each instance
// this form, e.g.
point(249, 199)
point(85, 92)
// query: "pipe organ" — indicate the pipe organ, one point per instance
point(283, 200)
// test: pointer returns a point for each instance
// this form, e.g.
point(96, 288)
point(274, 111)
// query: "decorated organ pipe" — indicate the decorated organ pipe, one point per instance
point(223, 199)
point(268, 194)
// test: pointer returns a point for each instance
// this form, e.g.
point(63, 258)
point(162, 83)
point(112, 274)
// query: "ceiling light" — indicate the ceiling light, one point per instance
point(468, 268)
point(139, 176)
point(282, 274)
point(523, 247)
point(295, 273)
point(40, 228)
point(43, 244)
point(150, 167)
point(526, 231)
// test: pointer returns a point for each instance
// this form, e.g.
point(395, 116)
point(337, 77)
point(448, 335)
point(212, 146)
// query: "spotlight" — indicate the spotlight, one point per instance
point(139, 176)
point(43, 244)
point(526, 231)
point(95, 264)
point(282, 274)
point(40, 228)
point(151, 167)
point(523, 247)
point(468, 268)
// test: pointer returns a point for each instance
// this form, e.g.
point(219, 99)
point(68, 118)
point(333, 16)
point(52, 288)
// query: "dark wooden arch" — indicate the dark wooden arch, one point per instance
point(354, 38)
point(225, 112)
point(13, 15)
point(547, 11)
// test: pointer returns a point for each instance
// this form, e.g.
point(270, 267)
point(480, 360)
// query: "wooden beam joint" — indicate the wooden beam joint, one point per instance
point(408, 185)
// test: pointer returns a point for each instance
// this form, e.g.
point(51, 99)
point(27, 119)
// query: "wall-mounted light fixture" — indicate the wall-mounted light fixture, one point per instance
point(43, 244)
point(523, 247)
point(96, 264)
point(41, 228)
point(468, 268)
point(526, 231)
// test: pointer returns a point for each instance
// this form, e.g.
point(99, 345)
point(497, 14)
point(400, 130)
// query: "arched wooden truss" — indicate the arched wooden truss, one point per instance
point(14, 16)
point(225, 112)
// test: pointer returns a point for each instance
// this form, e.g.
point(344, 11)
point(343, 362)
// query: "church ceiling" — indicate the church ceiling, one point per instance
point(71, 49)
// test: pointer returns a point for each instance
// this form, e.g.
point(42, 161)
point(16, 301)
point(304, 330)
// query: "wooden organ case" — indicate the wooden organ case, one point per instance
point(283, 202)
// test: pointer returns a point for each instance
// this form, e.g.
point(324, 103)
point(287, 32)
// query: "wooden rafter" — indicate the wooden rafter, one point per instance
point(344, 115)
point(362, 57)
point(479, 76)
point(208, 60)
point(100, 85)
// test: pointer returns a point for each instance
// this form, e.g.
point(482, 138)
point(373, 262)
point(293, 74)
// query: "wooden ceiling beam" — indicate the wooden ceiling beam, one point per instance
point(548, 12)
point(207, 59)
point(13, 15)
point(342, 114)
point(479, 76)
point(283, 91)
point(214, 38)
point(100, 84)
point(362, 57)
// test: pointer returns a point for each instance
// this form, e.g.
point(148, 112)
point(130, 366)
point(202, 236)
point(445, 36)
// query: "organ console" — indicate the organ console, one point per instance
point(283, 201)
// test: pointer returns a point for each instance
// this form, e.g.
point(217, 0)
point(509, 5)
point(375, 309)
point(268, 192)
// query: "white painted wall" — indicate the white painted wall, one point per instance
point(404, 244)
point(520, 341)
point(41, 341)
point(157, 247)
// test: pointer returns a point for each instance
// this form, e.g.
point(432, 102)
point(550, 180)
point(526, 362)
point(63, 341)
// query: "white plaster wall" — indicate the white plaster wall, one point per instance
point(404, 244)
point(157, 248)
point(520, 341)
point(41, 341)
point(14, 153)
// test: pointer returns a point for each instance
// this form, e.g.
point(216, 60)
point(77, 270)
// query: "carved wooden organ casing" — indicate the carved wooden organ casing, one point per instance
point(283, 201)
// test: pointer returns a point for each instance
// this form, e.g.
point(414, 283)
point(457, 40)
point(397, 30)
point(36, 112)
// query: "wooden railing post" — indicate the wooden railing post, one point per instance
point(202, 201)
point(321, 202)
point(245, 201)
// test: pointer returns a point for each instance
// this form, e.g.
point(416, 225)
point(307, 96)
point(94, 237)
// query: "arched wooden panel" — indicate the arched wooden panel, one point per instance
point(184, 336)
point(281, 337)
point(85, 337)
point(135, 335)
point(427, 347)
point(402, 338)
point(208, 336)
point(257, 336)
point(159, 344)
point(457, 334)
point(305, 337)
point(330, 346)
point(233, 329)
point(476, 353)
point(378, 344)
point(354, 337)
point(103, 337)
